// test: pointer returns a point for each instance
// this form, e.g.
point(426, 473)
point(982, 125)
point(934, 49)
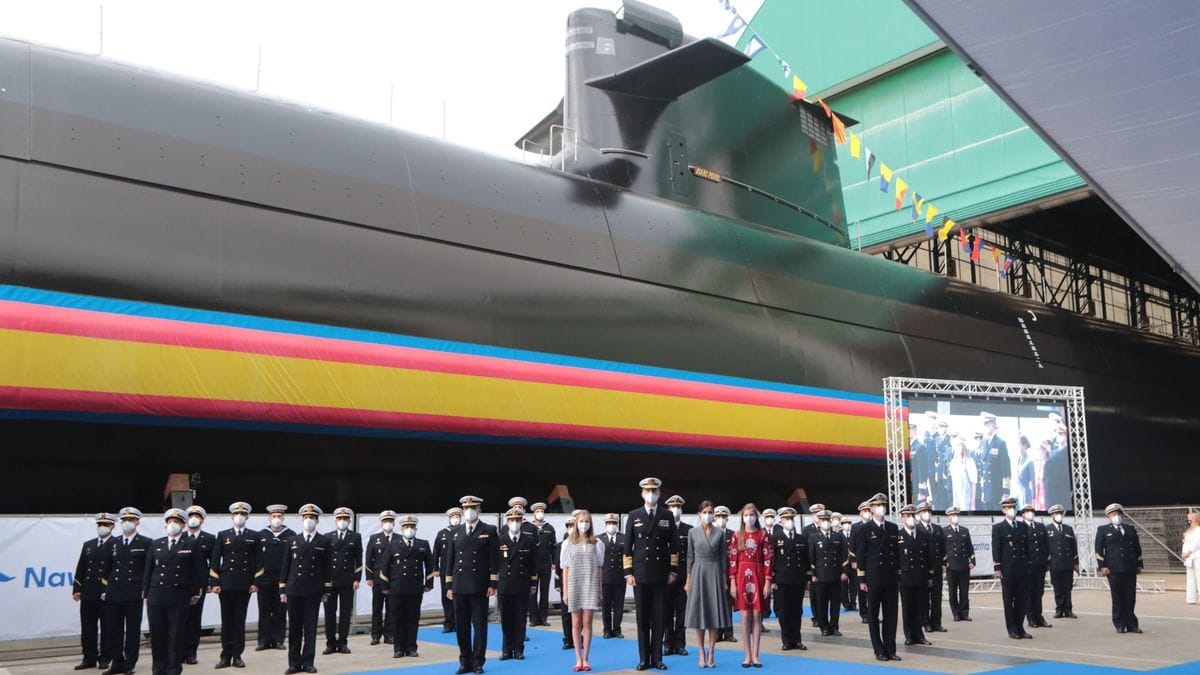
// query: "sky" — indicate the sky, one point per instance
point(475, 72)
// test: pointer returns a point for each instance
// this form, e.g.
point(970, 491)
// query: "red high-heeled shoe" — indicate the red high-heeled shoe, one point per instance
point(577, 668)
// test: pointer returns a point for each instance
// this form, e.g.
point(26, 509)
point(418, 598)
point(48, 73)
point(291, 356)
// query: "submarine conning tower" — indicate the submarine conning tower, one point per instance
point(653, 110)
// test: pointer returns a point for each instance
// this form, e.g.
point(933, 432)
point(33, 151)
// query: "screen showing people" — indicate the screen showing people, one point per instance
point(973, 454)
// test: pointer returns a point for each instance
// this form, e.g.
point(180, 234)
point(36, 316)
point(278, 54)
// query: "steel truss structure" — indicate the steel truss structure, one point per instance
point(895, 389)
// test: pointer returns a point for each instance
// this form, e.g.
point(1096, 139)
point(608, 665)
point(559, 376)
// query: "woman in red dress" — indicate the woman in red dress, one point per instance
point(750, 566)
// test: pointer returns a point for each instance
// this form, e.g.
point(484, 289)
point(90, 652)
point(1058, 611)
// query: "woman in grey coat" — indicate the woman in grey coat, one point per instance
point(706, 587)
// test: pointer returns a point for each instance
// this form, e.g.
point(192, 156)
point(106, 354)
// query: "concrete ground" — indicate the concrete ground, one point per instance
point(1088, 645)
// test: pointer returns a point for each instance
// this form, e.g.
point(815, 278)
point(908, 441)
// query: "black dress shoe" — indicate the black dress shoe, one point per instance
point(893, 657)
point(345, 649)
point(291, 669)
point(788, 648)
point(375, 640)
point(520, 656)
point(1058, 615)
point(908, 643)
point(505, 656)
point(1071, 615)
point(568, 645)
point(310, 669)
point(1134, 630)
point(103, 664)
point(682, 651)
point(882, 657)
point(462, 670)
point(396, 655)
point(835, 633)
point(1015, 636)
point(112, 671)
point(85, 665)
point(1044, 624)
point(801, 647)
point(190, 660)
point(923, 641)
point(223, 663)
point(261, 648)
point(642, 666)
point(388, 640)
point(660, 666)
point(967, 618)
point(238, 662)
point(766, 630)
point(413, 653)
point(618, 635)
point(447, 629)
point(478, 670)
point(281, 645)
point(939, 629)
point(957, 619)
point(328, 650)
point(1027, 636)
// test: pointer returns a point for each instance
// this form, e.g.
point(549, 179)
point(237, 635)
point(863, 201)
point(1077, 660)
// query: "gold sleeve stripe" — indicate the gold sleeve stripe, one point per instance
point(282, 585)
point(383, 577)
point(213, 574)
point(358, 569)
point(260, 572)
point(428, 576)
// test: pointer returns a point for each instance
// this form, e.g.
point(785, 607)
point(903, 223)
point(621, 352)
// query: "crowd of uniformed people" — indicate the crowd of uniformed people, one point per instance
point(682, 577)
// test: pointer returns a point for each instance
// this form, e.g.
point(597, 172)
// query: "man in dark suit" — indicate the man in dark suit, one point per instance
point(564, 612)
point(1039, 563)
point(1010, 557)
point(1064, 562)
point(958, 560)
point(916, 570)
point(203, 546)
point(770, 525)
point(173, 579)
point(306, 580)
point(721, 517)
point(407, 576)
point(995, 467)
point(235, 571)
point(543, 558)
point(124, 582)
point(376, 557)
point(651, 562)
point(475, 565)
point(86, 589)
point(1119, 554)
point(932, 620)
point(828, 565)
point(612, 589)
point(809, 529)
point(790, 578)
point(276, 544)
point(878, 558)
point(516, 578)
point(441, 549)
point(856, 529)
point(346, 554)
point(675, 598)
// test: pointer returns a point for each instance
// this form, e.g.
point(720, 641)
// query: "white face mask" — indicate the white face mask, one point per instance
point(720, 522)
point(910, 521)
point(194, 522)
point(824, 524)
point(787, 523)
point(239, 520)
point(277, 523)
point(837, 524)
point(1008, 513)
point(750, 520)
point(470, 514)
point(584, 526)
point(408, 532)
point(310, 524)
point(610, 528)
point(650, 497)
point(1116, 520)
point(1028, 516)
point(677, 512)
point(953, 520)
point(881, 511)
point(174, 529)
point(103, 530)
point(514, 526)
point(768, 521)
point(865, 515)
point(925, 516)
point(388, 526)
point(342, 524)
point(539, 516)
point(706, 518)
point(128, 526)
point(1058, 517)
point(455, 521)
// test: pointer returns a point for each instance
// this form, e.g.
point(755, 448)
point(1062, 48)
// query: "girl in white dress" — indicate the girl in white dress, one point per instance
point(581, 558)
point(1191, 555)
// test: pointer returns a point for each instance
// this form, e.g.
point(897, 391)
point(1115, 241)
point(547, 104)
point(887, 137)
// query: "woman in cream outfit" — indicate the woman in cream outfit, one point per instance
point(1191, 555)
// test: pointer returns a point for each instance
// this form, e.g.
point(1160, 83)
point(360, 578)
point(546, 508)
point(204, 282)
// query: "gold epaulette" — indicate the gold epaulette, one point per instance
point(1099, 557)
point(428, 576)
point(104, 582)
point(494, 577)
point(328, 584)
point(533, 578)
point(260, 572)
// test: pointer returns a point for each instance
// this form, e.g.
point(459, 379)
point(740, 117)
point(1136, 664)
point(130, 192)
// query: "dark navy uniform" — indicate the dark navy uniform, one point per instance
point(807, 530)
point(675, 598)
point(235, 571)
point(878, 559)
point(124, 584)
point(1010, 556)
point(651, 557)
point(564, 611)
point(543, 558)
point(515, 579)
point(995, 468)
point(272, 615)
point(307, 576)
point(475, 565)
point(791, 575)
point(1039, 564)
point(916, 570)
point(1064, 563)
point(203, 546)
point(856, 529)
point(612, 589)
point(406, 576)
point(958, 558)
point(828, 560)
point(346, 554)
point(173, 578)
point(937, 555)
point(1119, 555)
point(441, 549)
point(376, 557)
point(87, 588)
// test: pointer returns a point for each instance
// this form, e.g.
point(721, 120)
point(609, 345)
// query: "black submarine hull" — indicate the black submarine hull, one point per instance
point(119, 183)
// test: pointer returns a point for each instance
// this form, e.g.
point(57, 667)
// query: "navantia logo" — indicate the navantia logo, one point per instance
point(41, 577)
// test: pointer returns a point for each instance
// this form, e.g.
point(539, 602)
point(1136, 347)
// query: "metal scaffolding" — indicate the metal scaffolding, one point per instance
point(895, 389)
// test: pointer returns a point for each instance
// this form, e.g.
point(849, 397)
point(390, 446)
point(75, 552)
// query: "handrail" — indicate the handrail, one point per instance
point(1156, 539)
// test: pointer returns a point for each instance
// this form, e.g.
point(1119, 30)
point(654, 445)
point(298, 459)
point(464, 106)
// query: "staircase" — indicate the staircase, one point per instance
point(1166, 523)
